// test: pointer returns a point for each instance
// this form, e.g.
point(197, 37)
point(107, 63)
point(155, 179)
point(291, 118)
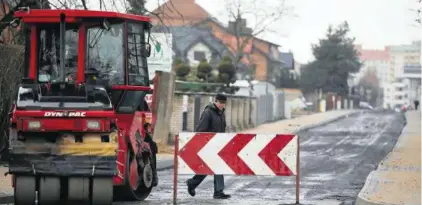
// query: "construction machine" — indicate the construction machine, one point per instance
point(80, 121)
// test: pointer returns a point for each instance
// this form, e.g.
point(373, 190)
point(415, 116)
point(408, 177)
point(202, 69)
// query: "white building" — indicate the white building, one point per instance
point(404, 55)
point(412, 73)
point(376, 61)
point(399, 70)
point(395, 94)
point(406, 62)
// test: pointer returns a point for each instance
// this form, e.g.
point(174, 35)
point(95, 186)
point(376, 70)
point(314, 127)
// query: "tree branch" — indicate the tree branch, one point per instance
point(84, 4)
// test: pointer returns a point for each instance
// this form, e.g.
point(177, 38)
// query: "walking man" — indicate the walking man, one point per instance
point(416, 104)
point(212, 120)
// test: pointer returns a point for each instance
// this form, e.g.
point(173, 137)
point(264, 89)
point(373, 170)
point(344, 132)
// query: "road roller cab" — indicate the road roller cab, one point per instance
point(78, 122)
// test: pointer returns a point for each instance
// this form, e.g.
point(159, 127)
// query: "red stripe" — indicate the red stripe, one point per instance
point(189, 153)
point(80, 78)
point(230, 154)
point(33, 51)
point(270, 152)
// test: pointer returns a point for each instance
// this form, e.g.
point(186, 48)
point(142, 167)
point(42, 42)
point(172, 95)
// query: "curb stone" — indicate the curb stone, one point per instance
point(165, 164)
point(374, 179)
point(6, 199)
point(330, 202)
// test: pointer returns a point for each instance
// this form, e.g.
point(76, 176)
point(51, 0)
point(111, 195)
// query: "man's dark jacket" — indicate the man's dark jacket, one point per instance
point(212, 120)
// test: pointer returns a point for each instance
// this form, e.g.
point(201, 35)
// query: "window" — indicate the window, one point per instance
point(105, 53)
point(49, 52)
point(198, 55)
point(132, 101)
point(137, 63)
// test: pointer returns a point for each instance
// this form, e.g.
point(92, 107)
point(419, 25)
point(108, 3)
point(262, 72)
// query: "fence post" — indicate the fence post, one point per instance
point(175, 168)
point(298, 171)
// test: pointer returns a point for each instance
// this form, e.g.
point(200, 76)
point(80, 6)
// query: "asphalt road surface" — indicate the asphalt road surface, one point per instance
point(335, 161)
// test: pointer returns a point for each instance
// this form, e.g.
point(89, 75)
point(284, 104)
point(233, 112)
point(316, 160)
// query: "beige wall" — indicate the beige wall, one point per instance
point(237, 113)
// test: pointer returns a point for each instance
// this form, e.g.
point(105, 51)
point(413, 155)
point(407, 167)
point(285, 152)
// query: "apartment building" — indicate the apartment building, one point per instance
point(376, 61)
point(404, 55)
point(405, 60)
point(395, 94)
point(398, 68)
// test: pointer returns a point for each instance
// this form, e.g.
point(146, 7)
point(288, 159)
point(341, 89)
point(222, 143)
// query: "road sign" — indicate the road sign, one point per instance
point(237, 154)
point(161, 58)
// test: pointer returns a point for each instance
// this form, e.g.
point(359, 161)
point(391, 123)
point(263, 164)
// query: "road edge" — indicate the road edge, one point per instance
point(346, 115)
point(373, 178)
point(165, 164)
point(7, 199)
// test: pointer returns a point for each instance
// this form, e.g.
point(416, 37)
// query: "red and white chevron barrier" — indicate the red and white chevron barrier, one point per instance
point(237, 154)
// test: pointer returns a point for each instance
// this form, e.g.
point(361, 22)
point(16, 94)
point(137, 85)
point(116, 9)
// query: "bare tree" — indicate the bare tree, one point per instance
point(418, 13)
point(263, 16)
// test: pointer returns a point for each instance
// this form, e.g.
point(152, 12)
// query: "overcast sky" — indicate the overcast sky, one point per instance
point(374, 23)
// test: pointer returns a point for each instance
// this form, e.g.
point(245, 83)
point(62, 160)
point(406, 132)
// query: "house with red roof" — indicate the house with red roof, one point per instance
point(258, 55)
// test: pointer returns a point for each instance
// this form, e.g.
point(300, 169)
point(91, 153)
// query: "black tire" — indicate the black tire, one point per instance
point(125, 192)
point(49, 191)
point(102, 191)
point(78, 189)
point(25, 187)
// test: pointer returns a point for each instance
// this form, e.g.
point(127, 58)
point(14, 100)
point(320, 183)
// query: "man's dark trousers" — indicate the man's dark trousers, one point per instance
point(218, 182)
point(212, 120)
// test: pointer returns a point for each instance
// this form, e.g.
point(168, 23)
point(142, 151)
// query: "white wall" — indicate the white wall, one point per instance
point(381, 68)
point(198, 47)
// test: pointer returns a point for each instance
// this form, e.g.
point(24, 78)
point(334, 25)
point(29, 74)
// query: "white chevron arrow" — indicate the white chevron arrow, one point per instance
point(209, 153)
point(249, 154)
point(184, 138)
point(289, 154)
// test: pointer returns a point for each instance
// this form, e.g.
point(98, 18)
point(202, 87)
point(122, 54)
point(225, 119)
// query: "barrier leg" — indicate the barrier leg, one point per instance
point(298, 171)
point(175, 168)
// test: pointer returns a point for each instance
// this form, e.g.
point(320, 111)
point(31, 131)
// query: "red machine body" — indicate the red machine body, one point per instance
point(80, 117)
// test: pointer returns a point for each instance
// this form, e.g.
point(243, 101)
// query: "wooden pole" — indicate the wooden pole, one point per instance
point(175, 168)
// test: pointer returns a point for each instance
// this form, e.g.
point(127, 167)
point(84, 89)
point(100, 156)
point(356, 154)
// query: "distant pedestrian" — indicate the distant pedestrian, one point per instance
point(212, 120)
point(416, 104)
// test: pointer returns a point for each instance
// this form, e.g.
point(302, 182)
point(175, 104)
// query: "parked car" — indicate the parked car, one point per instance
point(365, 105)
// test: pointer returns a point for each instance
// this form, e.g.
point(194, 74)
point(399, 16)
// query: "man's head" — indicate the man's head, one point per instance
point(220, 101)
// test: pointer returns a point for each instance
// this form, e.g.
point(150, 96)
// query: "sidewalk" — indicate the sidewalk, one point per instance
point(397, 179)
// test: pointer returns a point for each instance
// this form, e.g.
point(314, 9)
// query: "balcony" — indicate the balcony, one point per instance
point(412, 71)
point(399, 93)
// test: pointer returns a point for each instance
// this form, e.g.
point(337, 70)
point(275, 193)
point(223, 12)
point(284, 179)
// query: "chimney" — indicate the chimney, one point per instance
point(240, 25)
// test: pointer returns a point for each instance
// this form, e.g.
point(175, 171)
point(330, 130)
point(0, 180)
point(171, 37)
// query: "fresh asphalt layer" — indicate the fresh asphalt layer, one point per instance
point(336, 158)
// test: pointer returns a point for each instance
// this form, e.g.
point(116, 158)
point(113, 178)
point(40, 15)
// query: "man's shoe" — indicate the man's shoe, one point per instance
point(191, 190)
point(221, 195)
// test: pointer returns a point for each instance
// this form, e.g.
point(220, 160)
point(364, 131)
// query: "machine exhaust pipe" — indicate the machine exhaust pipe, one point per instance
point(62, 47)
